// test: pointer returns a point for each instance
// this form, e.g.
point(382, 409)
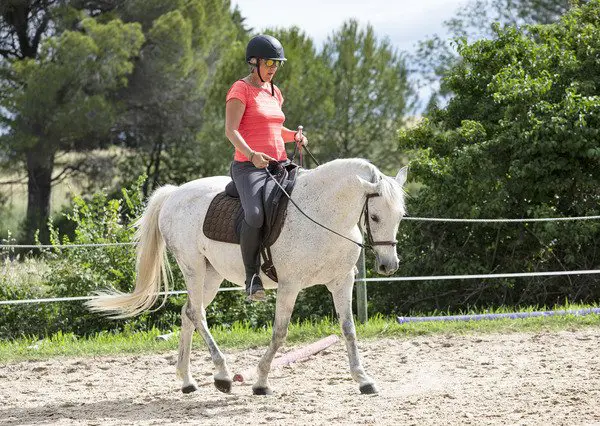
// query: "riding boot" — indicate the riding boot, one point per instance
point(250, 245)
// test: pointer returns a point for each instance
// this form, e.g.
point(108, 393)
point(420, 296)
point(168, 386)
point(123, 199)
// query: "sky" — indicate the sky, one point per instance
point(403, 22)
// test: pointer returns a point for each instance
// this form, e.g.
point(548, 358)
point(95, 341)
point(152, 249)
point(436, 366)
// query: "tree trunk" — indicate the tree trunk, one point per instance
point(156, 175)
point(40, 163)
point(153, 177)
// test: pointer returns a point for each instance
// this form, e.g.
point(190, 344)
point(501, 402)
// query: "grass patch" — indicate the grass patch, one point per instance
point(242, 336)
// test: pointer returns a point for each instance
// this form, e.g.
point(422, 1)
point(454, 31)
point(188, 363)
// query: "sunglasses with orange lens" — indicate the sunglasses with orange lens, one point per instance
point(273, 63)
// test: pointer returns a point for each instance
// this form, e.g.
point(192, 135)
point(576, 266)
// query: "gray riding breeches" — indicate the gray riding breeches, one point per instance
point(250, 182)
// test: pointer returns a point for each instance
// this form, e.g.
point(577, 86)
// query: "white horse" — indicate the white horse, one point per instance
point(333, 194)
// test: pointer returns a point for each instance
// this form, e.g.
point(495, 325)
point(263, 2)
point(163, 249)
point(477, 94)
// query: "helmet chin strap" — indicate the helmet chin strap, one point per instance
point(261, 79)
point(258, 71)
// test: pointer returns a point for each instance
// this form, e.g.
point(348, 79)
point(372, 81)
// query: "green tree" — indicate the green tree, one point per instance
point(519, 139)
point(473, 21)
point(167, 92)
point(371, 95)
point(215, 152)
point(350, 96)
point(56, 91)
point(307, 85)
point(155, 112)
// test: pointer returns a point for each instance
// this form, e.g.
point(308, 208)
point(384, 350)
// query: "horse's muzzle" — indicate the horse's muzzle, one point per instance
point(387, 268)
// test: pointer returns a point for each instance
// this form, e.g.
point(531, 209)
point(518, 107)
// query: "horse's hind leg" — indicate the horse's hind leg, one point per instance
point(185, 349)
point(203, 283)
point(341, 291)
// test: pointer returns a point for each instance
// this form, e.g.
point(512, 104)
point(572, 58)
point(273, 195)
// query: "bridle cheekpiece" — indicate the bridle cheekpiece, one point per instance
point(370, 243)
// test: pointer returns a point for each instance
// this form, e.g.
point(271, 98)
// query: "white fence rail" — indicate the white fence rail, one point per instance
point(79, 298)
point(483, 276)
point(418, 219)
point(360, 280)
point(539, 219)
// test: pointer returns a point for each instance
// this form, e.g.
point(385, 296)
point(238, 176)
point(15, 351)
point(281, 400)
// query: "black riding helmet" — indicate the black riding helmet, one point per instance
point(266, 47)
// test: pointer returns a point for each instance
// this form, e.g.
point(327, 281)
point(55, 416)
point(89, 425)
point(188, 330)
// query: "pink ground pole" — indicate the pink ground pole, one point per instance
point(291, 357)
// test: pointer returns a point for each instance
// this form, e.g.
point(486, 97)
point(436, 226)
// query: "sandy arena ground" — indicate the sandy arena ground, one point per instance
point(549, 378)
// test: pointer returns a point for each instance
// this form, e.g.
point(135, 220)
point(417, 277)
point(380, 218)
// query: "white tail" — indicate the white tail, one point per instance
point(152, 266)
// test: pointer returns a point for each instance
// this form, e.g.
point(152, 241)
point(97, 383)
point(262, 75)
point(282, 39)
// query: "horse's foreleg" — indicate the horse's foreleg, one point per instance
point(286, 298)
point(342, 298)
point(203, 283)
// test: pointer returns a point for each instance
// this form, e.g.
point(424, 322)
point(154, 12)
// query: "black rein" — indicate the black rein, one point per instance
point(365, 210)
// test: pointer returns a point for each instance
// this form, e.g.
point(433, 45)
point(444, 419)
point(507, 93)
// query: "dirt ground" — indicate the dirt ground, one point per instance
point(549, 378)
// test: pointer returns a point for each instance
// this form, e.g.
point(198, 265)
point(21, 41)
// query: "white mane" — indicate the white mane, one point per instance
point(391, 190)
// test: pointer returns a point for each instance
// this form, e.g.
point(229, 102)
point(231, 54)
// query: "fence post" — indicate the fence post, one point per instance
point(361, 289)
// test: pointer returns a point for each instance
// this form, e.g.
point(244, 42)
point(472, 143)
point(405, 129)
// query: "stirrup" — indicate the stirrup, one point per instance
point(255, 291)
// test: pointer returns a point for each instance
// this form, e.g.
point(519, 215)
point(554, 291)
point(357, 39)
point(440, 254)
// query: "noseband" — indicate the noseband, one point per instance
point(365, 211)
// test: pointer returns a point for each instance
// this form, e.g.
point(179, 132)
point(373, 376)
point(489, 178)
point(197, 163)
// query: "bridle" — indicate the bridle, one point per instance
point(370, 242)
point(365, 211)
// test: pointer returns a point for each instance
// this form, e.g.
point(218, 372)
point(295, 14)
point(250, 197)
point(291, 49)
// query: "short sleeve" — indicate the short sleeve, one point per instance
point(237, 91)
point(279, 96)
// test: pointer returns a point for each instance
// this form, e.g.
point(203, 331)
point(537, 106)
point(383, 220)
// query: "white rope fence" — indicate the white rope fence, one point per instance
point(540, 219)
point(76, 298)
point(413, 218)
point(389, 279)
point(482, 276)
point(63, 246)
point(423, 278)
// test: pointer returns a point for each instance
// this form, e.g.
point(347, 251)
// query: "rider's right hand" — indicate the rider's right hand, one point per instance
point(261, 160)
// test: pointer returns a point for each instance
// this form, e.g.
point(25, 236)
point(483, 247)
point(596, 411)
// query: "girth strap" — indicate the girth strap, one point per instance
point(267, 266)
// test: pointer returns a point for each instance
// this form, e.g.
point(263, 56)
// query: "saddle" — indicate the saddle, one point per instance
point(224, 217)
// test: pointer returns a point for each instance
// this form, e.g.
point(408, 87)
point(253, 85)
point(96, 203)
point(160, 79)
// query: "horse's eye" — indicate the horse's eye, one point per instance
point(375, 218)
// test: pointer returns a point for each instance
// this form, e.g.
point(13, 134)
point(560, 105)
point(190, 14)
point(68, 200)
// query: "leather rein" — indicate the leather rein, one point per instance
point(365, 211)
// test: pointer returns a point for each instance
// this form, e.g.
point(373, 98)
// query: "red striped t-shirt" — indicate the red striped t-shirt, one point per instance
point(262, 121)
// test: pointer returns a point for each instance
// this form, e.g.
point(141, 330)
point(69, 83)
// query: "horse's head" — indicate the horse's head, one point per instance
point(384, 208)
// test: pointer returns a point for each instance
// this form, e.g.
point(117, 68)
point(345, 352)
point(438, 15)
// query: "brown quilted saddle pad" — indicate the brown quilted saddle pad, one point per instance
point(225, 214)
point(222, 218)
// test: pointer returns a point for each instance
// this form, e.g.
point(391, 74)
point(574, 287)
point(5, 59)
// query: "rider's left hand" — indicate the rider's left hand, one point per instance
point(301, 139)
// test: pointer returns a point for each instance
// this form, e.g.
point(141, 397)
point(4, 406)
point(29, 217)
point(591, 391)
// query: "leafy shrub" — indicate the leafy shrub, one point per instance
point(20, 280)
point(518, 139)
point(81, 271)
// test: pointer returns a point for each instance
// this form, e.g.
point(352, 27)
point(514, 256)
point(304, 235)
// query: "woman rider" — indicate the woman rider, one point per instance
point(254, 125)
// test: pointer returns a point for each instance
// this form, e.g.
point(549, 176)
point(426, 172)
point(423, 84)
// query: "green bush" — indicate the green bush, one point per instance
point(71, 272)
point(519, 139)
point(20, 280)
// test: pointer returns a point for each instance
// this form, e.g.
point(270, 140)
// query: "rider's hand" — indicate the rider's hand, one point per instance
point(261, 160)
point(300, 139)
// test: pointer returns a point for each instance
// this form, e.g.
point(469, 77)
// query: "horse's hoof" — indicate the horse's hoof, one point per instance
point(368, 389)
point(262, 391)
point(223, 385)
point(189, 389)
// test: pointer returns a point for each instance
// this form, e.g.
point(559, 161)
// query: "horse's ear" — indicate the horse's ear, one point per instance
point(370, 187)
point(402, 175)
